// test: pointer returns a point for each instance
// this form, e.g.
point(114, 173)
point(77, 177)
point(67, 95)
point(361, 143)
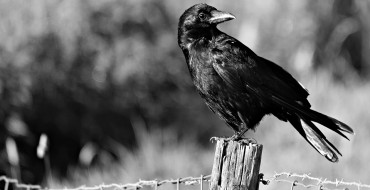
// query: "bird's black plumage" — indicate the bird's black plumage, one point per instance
point(241, 87)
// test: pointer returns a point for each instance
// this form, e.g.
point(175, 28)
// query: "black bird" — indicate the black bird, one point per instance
point(241, 87)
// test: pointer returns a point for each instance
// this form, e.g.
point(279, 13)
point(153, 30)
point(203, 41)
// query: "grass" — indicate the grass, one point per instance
point(161, 156)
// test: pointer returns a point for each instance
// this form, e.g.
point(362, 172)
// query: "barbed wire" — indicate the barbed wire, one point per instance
point(307, 181)
point(303, 180)
point(128, 186)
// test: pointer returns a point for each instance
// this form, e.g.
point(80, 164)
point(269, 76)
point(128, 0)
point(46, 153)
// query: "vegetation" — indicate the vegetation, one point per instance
point(109, 75)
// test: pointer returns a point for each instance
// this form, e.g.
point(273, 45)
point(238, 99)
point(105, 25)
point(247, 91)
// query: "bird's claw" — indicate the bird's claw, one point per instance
point(235, 137)
point(248, 140)
point(212, 139)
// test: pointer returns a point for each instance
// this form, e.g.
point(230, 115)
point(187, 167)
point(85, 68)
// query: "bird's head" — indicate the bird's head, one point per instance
point(203, 16)
point(199, 19)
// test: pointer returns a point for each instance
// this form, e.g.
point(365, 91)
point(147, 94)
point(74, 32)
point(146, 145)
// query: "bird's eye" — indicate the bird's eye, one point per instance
point(202, 16)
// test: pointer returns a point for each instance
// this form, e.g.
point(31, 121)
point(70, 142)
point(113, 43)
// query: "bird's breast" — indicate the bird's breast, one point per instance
point(202, 72)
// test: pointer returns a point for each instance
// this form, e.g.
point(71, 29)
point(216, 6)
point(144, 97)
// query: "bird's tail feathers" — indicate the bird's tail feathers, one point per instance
point(329, 122)
point(315, 138)
point(312, 115)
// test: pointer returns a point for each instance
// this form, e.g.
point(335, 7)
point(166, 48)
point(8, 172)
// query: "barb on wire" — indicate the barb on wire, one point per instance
point(308, 181)
point(128, 186)
point(301, 180)
point(294, 184)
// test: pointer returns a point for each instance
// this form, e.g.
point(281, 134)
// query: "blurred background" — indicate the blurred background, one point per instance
point(107, 85)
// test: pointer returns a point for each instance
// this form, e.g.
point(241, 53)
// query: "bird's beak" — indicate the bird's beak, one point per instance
point(219, 17)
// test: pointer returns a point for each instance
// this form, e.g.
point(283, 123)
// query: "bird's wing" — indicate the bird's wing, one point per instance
point(240, 68)
point(243, 70)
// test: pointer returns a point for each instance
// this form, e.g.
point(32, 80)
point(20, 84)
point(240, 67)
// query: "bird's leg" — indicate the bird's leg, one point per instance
point(239, 134)
point(242, 131)
point(244, 127)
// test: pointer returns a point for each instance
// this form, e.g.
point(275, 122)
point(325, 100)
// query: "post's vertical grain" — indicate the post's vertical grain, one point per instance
point(236, 165)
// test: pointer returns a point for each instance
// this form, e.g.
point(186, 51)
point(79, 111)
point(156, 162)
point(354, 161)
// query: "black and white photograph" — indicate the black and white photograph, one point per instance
point(190, 95)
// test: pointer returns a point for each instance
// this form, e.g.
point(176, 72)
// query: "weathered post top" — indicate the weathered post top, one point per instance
point(236, 165)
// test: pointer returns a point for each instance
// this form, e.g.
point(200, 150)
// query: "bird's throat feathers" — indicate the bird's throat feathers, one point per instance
point(188, 36)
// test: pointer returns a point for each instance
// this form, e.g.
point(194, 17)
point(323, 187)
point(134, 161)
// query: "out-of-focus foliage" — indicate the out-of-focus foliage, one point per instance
point(90, 73)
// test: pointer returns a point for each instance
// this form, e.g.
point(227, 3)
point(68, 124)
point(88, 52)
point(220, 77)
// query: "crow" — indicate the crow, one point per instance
point(241, 87)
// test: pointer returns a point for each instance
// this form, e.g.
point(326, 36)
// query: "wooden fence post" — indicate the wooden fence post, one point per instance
point(236, 165)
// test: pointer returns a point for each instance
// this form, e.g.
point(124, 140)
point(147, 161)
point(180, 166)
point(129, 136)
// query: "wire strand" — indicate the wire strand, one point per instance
point(302, 180)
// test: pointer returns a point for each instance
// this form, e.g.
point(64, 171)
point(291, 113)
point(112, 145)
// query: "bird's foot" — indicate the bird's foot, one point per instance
point(247, 140)
point(235, 137)
point(212, 139)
